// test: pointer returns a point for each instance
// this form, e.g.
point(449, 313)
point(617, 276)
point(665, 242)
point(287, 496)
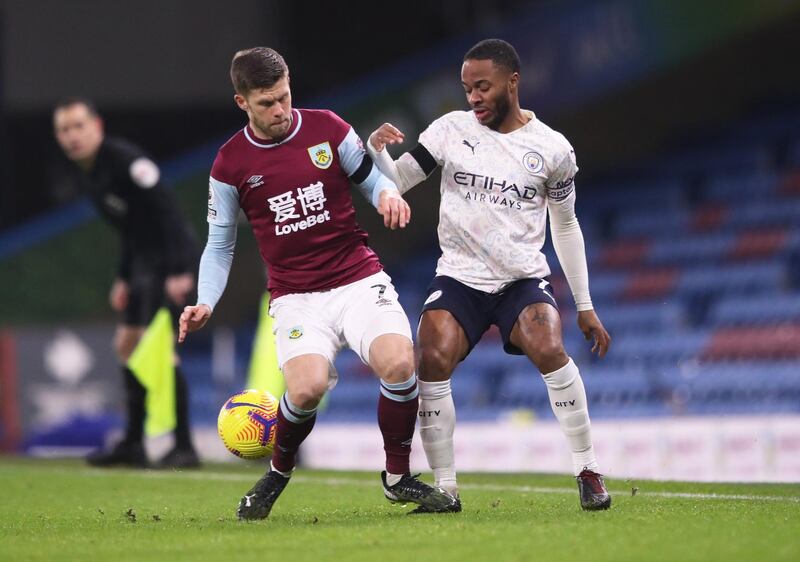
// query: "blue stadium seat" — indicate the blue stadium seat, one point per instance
point(730, 187)
point(757, 309)
point(759, 277)
point(657, 347)
point(641, 194)
point(686, 250)
point(607, 285)
point(769, 213)
point(737, 157)
point(652, 221)
point(658, 316)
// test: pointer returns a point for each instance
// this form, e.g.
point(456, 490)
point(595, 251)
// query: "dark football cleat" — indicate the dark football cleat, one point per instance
point(412, 489)
point(257, 503)
point(124, 453)
point(179, 458)
point(453, 508)
point(594, 495)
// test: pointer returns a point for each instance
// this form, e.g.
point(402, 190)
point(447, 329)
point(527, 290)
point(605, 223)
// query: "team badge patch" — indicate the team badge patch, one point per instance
point(533, 162)
point(321, 155)
point(296, 332)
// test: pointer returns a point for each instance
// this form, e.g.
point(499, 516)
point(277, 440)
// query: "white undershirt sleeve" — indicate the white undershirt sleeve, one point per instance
point(215, 264)
point(405, 172)
point(570, 249)
point(367, 176)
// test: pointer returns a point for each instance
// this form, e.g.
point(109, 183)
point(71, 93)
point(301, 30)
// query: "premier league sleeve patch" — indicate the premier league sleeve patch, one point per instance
point(321, 155)
point(144, 173)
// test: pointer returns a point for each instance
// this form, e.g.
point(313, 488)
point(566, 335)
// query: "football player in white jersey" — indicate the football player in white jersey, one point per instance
point(503, 172)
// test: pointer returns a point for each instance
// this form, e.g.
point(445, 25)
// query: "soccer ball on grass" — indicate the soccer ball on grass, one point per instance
point(246, 424)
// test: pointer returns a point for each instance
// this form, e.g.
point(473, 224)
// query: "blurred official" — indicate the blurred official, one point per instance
point(158, 256)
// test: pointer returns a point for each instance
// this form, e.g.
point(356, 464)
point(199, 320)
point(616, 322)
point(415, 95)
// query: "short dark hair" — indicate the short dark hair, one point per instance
point(77, 100)
point(256, 68)
point(501, 53)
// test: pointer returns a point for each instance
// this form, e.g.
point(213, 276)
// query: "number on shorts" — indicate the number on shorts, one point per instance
point(381, 290)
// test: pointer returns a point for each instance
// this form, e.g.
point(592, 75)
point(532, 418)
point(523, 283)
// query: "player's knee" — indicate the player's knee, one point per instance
point(391, 357)
point(549, 356)
point(309, 396)
point(436, 363)
point(398, 368)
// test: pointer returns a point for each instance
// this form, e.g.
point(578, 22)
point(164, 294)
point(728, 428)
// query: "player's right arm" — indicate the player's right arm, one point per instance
point(215, 264)
point(413, 166)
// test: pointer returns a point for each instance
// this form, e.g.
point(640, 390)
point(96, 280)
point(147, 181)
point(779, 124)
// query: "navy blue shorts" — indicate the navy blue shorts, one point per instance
point(476, 311)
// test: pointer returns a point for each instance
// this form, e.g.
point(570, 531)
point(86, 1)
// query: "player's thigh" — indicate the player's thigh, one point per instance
point(441, 344)
point(537, 332)
point(300, 329)
point(454, 318)
point(306, 379)
point(371, 309)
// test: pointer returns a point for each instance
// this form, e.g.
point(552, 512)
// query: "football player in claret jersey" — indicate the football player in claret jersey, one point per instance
point(290, 170)
point(503, 172)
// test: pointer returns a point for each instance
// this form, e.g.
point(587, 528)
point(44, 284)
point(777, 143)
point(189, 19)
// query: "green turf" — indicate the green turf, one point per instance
point(61, 510)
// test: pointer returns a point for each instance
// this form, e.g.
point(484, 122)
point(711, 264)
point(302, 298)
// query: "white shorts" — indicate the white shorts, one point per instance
point(324, 322)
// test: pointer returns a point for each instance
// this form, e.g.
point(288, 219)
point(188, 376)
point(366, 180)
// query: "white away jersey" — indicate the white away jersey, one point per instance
point(495, 189)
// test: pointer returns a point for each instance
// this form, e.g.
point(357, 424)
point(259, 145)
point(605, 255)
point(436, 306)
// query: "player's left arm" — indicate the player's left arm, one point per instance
point(372, 183)
point(570, 249)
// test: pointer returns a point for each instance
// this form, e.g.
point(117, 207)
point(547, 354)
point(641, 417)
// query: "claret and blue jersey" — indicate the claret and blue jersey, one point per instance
point(296, 195)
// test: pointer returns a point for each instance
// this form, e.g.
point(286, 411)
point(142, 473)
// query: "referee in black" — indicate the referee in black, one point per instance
point(159, 256)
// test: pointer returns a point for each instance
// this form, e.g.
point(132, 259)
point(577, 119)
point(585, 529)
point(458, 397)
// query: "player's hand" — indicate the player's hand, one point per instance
point(119, 295)
point(394, 209)
point(192, 319)
point(385, 134)
point(178, 287)
point(593, 329)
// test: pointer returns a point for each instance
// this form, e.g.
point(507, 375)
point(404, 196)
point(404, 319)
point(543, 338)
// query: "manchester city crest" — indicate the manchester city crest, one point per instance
point(296, 333)
point(533, 162)
point(321, 155)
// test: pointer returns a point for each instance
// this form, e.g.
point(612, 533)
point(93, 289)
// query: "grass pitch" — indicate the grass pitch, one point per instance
point(63, 510)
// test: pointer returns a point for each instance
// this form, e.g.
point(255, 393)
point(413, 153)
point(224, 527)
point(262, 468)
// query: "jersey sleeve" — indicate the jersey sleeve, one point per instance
point(339, 127)
point(223, 203)
point(223, 197)
point(433, 139)
point(359, 167)
point(561, 182)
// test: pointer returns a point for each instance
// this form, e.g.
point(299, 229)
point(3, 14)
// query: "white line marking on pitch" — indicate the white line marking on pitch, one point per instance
point(221, 476)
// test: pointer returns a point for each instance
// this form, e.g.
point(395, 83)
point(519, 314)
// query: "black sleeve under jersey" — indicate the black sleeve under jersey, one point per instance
point(424, 158)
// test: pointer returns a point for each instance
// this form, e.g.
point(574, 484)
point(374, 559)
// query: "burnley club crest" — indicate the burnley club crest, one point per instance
point(321, 155)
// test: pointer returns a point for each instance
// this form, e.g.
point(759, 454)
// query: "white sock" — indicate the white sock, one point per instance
point(392, 479)
point(284, 474)
point(568, 400)
point(437, 422)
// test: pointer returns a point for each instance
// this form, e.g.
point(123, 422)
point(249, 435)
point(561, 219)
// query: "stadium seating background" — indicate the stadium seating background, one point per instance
point(695, 272)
